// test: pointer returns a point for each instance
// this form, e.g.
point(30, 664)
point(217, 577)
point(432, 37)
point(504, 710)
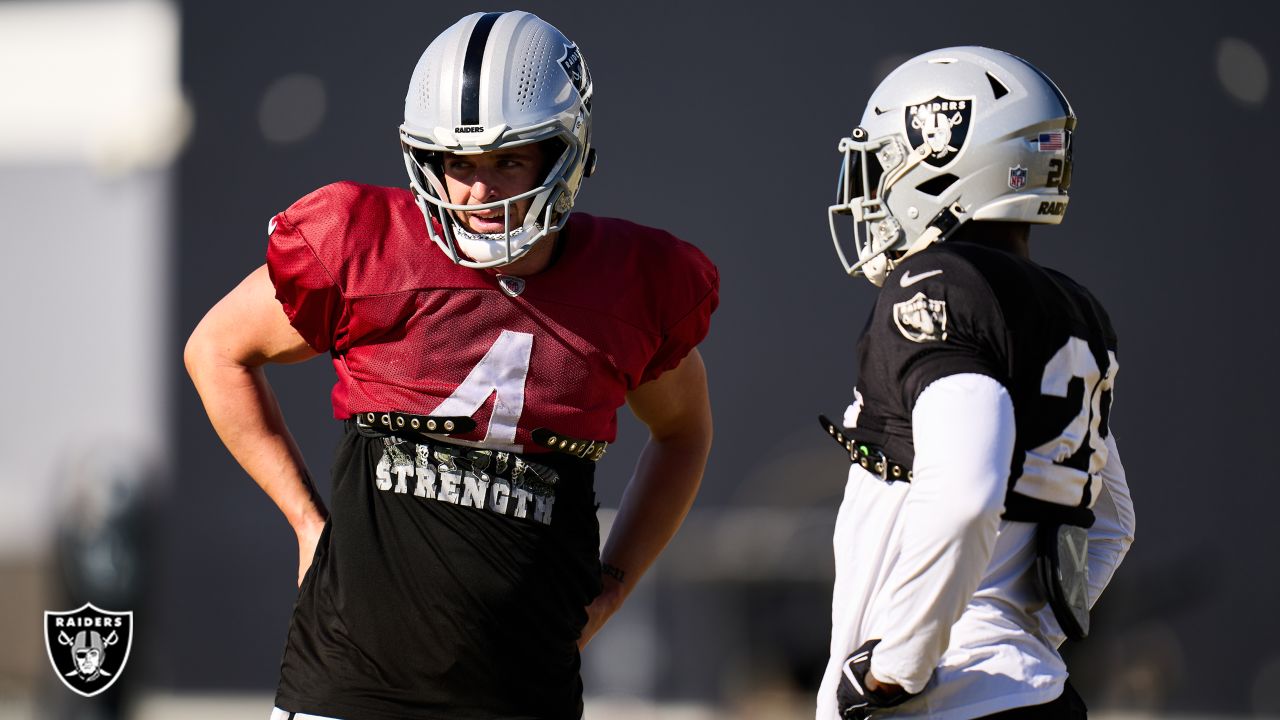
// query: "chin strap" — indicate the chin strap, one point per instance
point(940, 228)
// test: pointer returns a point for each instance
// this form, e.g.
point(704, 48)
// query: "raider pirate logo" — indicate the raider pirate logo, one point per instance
point(88, 647)
point(942, 124)
point(921, 319)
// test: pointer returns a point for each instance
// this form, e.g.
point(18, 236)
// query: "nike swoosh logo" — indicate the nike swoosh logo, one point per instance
point(907, 279)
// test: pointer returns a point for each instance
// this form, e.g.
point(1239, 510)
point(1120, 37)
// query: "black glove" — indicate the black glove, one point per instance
point(853, 698)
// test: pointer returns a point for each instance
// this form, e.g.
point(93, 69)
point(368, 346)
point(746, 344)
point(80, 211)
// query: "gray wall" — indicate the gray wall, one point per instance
point(720, 124)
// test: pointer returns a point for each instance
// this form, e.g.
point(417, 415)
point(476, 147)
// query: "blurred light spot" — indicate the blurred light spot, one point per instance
point(1242, 71)
point(1149, 663)
point(292, 108)
point(119, 58)
point(1266, 690)
point(634, 643)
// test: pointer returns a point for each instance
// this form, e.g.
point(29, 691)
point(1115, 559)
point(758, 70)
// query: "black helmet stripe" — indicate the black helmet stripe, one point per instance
point(1066, 106)
point(1062, 99)
point(471, 65)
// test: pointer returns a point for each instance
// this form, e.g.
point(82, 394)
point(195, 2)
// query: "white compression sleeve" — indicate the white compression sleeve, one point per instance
point(1115, 524)
point(963, 430)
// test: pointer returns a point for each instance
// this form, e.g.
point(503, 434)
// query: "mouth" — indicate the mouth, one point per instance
point(487, 221)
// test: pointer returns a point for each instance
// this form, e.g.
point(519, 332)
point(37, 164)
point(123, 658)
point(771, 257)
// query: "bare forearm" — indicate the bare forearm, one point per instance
point(244, 412)
point(677, 412)
point(655, 504)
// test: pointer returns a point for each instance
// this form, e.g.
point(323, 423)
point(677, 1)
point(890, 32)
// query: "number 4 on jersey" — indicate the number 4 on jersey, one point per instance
point(503, 370)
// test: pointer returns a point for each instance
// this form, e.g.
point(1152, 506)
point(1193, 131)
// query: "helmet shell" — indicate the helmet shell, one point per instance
point(490, 81)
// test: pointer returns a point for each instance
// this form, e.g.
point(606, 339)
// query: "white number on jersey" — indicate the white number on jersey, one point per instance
point(502, 371)
point(1044, 474)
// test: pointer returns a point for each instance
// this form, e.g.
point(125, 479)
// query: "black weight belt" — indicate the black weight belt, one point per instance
point(398, 422)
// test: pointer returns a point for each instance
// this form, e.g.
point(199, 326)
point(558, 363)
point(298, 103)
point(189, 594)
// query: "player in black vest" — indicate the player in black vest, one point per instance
point(986, 508)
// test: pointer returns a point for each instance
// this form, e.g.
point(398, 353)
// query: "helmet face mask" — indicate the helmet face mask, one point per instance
point(950, 136)
point(537, 88)
point(866, 168)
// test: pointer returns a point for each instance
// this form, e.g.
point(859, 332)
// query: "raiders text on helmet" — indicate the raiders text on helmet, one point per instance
point(959, 134)
point(498, 80)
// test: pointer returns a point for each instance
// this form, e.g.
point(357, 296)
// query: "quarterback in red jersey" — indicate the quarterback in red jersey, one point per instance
point(483, 339)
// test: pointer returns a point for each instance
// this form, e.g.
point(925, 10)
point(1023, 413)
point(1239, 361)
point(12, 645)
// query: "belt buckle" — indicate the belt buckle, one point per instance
point(882, 466)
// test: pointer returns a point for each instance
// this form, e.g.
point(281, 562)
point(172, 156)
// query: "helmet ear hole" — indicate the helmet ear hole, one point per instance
point(552, 150)
point(429, 158)
point(938, 185)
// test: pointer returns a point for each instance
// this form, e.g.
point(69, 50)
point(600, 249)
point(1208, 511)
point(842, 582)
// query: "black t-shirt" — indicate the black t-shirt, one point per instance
point(960, 307)
point(448, 583)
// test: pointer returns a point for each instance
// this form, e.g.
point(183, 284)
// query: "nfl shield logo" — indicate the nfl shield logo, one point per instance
point(511, 285)
point(88, 647)
point(1017, 177)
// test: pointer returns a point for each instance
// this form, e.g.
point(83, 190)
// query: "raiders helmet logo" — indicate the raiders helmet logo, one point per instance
point(921, 319)
point(88, 647)
point(941, 125)
point(576, 69)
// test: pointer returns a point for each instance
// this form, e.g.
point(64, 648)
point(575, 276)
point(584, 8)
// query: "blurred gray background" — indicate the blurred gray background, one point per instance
point(716, 122)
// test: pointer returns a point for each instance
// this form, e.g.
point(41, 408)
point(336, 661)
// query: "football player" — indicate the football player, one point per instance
point(483, 339)
point(986, 507)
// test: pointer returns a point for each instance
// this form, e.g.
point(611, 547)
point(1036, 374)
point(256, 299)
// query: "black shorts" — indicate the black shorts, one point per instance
point(446, 584)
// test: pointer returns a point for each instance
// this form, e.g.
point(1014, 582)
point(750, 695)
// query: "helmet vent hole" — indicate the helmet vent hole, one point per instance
point(424, 87)
point(937, 186)
point(997, 87)
point(942, 61)
point(879, 111)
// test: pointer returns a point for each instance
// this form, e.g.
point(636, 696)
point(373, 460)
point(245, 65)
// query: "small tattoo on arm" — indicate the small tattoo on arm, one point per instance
point(616, 573)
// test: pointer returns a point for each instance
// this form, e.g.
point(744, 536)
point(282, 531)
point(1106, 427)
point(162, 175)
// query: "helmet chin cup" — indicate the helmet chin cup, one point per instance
point(875, 268)
point(483, 248)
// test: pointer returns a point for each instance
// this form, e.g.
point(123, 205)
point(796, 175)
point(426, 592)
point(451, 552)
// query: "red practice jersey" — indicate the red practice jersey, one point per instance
point(410, 331)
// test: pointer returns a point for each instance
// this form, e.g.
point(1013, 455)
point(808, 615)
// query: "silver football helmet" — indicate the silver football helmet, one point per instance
point(497, 80)
point(959, 134)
